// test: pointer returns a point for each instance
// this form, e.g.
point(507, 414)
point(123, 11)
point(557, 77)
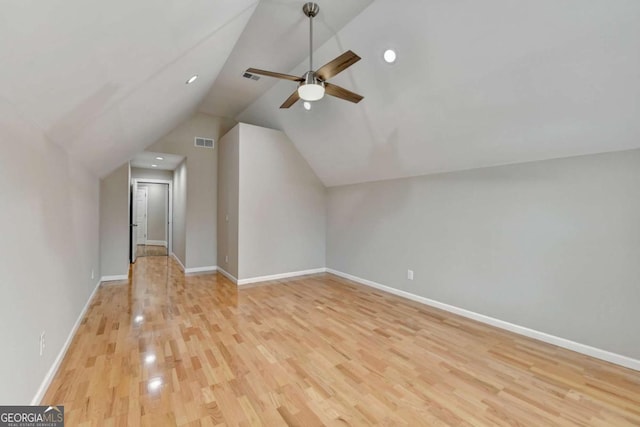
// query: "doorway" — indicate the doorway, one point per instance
point(142, 203)
point(151, 218)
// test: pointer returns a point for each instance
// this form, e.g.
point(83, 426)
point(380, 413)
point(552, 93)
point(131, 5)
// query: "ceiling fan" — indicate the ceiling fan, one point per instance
point(313, 84)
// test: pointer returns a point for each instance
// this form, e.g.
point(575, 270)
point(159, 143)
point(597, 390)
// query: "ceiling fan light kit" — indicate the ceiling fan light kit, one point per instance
point(313, 85)
point(312, 88)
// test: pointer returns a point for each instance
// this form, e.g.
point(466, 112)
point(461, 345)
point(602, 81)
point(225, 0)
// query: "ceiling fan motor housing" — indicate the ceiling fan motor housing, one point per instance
point(310, 78)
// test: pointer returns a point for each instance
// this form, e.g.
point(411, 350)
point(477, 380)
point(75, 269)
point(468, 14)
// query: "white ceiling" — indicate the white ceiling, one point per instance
point(475, 84)
point(276, 39)
point(147, 159)
point(106, 79)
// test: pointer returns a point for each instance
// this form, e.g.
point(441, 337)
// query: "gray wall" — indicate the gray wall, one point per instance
point(114, 222)
point(157, 208)
point(49, 245)
point(179, 212)
point(551, 245)
point(228, 192)
point(282, 207)
point(201, 185)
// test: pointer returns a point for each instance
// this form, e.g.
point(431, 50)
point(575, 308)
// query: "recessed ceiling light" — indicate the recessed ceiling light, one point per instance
point(389, 56)
point(159, 158)
point(154, 166)
point(192, 79)
point(306, 105)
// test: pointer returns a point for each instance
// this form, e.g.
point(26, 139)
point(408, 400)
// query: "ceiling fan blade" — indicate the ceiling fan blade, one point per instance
point(291, 100)
point(274, 74)
point(342, 93)
point(338, 65)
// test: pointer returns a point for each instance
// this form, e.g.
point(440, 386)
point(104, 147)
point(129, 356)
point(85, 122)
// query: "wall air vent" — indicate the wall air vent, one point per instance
point(250, 76)
point(204, 142)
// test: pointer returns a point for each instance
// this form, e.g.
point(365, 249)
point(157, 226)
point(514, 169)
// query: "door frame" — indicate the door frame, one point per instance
point(169, 225)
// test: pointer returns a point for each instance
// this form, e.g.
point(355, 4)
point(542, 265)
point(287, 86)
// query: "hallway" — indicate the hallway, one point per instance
point(317, 350)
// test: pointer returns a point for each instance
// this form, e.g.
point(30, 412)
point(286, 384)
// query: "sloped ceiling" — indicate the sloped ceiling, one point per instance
point(106, 79)
point(475, 84)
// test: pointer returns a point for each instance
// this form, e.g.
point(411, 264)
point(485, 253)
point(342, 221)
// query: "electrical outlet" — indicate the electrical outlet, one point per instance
point(226, 258)
point(410, 274)
point(93, 274)
point(42, 343)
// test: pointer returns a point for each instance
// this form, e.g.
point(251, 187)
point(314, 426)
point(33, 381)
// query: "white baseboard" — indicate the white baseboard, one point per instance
point(598, 353)
point(174, 256)
point(241, 282)
point(209, 268)
point(228, 275)
point(114, 278)
point(206, 269)
point(156, 243)
point(46, 382)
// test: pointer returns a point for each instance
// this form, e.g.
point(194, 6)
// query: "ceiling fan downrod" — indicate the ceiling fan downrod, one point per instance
point(310, 9)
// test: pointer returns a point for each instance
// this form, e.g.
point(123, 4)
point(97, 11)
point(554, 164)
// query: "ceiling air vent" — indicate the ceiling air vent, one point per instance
point(204, 142)
point(250, 76)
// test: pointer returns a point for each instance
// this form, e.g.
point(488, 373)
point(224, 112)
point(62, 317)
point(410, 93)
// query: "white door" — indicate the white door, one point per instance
point(132, 218)
point(141, 215)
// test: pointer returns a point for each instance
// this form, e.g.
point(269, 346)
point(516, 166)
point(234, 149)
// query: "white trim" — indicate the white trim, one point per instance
point(157, 243)
point(608, 356)
point(114, 278)
point(46, 382)
point(169, 227)
point(152, 181)
point(228, 275)
point(280, 276)
point(193, 269)
point(200, 269)
point(174, 256)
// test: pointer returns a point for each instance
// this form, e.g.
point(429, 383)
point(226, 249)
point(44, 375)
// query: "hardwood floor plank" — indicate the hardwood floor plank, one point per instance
point(169, 349)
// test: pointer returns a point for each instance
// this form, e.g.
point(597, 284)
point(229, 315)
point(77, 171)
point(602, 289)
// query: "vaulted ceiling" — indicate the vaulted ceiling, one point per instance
point(475, 83)
point(104, 79)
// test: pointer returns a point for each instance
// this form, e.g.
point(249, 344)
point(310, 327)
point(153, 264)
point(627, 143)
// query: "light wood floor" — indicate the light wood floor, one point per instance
point(150, 250)
point(317, 350)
